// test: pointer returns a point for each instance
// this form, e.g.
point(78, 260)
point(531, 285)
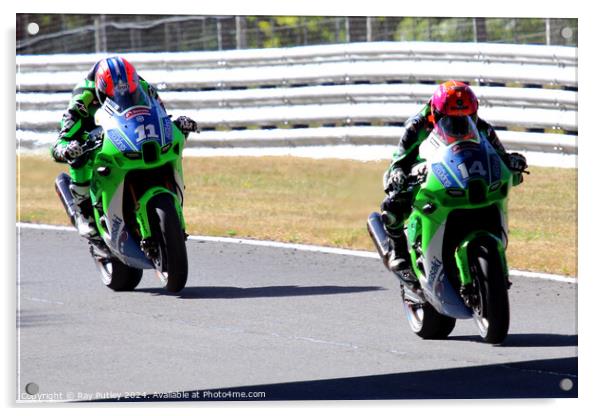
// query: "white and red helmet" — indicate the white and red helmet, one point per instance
point(115, 76)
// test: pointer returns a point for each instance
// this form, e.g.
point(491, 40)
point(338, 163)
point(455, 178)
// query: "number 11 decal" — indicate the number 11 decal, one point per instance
point(144, 132)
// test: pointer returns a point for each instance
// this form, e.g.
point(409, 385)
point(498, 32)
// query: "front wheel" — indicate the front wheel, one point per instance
point(492, 311)
point(171, 261)
point(424, 320)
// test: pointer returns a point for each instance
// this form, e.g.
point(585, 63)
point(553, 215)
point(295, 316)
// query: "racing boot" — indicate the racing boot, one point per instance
point(84, 218)
point(399, 258)
point(398, 254)
point(399, 261)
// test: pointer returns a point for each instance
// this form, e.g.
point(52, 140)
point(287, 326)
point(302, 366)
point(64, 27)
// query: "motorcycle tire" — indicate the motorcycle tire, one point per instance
point(118, 276)
point(425, 321)
point(172, 262)
point(492, 313)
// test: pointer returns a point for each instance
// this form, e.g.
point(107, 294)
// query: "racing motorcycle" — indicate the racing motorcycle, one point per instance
point(136, 192)
point(457, 234)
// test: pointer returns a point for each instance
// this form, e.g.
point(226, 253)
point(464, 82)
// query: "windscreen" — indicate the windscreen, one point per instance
point(452, 129)
point(124, 100)
point(130, 128)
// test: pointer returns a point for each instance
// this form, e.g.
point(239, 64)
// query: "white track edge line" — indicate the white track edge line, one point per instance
point(304, 247)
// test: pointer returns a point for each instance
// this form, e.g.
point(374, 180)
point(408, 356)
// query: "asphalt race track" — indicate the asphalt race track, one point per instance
point(265, 323)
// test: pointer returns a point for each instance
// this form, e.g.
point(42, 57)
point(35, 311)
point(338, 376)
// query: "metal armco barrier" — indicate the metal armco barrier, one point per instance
point(358, 93)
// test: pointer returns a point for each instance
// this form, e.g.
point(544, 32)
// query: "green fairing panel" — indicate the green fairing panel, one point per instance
point(142, 211)
point(462, 261)
point(103, 188)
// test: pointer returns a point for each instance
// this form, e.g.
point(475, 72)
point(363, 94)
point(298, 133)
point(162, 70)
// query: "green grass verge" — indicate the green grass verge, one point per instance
point(326, 202)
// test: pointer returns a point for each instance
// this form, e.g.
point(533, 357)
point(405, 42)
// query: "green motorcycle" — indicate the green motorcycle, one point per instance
point(137, 195)
point(457, 234)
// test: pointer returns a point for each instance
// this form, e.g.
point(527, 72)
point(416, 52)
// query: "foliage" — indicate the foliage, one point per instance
point(203, 32)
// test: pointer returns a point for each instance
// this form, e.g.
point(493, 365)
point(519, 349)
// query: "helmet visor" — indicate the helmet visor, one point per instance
point(456, 128)
point(124, 99)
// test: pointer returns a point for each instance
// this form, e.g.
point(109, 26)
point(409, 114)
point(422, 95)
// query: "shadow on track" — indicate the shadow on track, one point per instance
point(230, 292)
point(526, 379)
point(527, 340)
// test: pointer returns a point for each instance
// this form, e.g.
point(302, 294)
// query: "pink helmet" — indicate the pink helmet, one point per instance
point(454, 98)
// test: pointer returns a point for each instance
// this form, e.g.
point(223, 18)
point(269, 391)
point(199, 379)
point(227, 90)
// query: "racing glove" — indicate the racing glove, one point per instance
point(76, 154)
point(396, 181)
point(517, 162)
point(185, 124)
point(71, 152)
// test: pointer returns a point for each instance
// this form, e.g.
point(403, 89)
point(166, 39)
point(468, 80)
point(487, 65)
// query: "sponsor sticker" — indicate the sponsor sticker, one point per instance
point(167, 129)
point(435, 269)
point(117, 140)
point(464, 146)
point(442, 175)
point(137, 112)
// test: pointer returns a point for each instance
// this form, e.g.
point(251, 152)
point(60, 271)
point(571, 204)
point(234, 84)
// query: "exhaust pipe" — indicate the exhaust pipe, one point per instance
point(376, 229)
point(61, 185)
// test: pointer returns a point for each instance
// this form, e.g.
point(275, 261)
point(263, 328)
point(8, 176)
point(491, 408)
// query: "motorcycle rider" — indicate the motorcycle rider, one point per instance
point(453, 99)
point(113, 78)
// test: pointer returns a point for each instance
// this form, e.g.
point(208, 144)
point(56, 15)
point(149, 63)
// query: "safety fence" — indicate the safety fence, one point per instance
point(357, 93)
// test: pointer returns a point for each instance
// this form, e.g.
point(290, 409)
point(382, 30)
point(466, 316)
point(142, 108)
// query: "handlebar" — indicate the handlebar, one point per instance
point(91, 145)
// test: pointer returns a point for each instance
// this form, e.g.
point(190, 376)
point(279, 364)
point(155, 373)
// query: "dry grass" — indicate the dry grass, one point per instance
point(543, 222)
point(326, 202)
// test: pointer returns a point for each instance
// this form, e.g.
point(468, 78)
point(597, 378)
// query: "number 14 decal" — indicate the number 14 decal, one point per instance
point(476, 167)
point(143, 132)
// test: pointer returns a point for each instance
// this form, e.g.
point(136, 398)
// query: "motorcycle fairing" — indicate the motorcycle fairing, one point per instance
point(130, 129)
point(119, 237)
point(470, 160)
point(435, 283)
point(454, 165)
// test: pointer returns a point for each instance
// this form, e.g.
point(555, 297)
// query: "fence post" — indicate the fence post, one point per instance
point(97, 34)
point(304, 36)
point(368, 29)
point(218, 23)
point(135, 37)
point(166, 36)
point(480, 29)
point(347, 30)
point(241, 27)
point(100, 35)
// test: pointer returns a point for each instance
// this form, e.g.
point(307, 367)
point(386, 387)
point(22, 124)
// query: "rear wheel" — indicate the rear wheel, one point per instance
point(424, 320)
point(492, 311)
point(171, 262)
point(117, 275)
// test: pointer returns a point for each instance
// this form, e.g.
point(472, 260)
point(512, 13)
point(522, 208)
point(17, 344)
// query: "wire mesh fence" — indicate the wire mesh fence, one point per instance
point(85, 33)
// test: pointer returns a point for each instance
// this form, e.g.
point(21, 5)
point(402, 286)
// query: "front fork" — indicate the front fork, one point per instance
point(467, 286)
